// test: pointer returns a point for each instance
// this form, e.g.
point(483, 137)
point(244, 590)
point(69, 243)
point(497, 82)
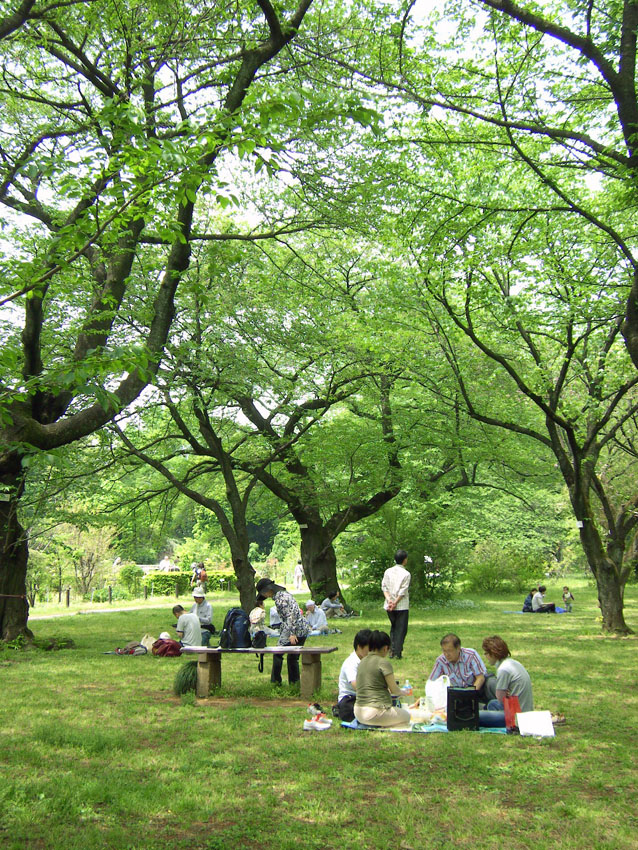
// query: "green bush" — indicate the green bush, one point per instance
point(431, 580)
point(130, 577)
point(118, 594)
point(163, 584)
point(493, 569)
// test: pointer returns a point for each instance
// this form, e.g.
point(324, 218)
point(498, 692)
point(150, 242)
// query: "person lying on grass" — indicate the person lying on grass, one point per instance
point(376, 686)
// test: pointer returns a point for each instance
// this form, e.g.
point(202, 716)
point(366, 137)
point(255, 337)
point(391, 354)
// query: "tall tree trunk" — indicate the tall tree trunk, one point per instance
point(14, 607)
point(319, 560)
point(608, 581)
point(245, 574)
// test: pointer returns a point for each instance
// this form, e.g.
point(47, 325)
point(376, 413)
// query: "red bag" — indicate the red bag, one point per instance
point(511, 706)
point(166, 648)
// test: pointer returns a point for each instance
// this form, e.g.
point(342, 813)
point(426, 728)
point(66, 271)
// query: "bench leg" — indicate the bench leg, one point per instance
point(310, 675)
point(209, 674)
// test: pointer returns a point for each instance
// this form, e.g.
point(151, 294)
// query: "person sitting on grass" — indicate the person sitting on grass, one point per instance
point(332, 607)
point(376, 686)
point(527, 605)
point(189, 632)
point(317, 620)
point(512, 679)
point(540, 607)
point(274, 619)
point(464, 666)
point(348, 675)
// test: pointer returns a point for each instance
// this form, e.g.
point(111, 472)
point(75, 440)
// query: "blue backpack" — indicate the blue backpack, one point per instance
point(235, 633)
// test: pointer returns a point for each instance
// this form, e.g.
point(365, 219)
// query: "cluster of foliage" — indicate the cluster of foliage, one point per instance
point(165, 584)
point(492, 569)
point(341, 303)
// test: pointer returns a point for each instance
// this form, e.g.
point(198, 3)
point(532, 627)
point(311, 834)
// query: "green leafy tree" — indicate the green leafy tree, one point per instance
point(115, 118)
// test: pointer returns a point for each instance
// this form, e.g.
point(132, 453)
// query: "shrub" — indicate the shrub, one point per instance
point(492, 569)
point(185, 678)
point(130, 576)
point(431, 580)
point(163, 584)
point(118, 594)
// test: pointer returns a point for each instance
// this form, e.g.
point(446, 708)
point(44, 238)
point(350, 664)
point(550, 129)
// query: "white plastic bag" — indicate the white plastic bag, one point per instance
point(148, 641)
point(436, 693)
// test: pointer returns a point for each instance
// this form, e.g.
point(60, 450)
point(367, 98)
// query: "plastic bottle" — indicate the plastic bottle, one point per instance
point(407, 688)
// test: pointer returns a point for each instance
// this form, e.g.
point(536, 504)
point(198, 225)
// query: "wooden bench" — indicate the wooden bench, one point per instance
point(209, 665)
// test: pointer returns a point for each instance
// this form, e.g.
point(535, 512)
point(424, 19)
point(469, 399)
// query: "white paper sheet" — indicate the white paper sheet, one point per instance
point(535, 723)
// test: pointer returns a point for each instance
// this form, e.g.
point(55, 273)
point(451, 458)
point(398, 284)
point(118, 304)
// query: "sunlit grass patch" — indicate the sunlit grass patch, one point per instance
point(98, 752)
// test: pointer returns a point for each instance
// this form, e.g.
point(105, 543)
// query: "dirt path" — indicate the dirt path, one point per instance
point(97, 611)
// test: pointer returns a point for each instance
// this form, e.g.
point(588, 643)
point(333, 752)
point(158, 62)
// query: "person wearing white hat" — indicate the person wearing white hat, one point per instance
point(316, 618)
point(204, 611)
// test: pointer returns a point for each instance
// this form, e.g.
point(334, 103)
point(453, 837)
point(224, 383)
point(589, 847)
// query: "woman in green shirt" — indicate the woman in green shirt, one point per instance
point(376, 686)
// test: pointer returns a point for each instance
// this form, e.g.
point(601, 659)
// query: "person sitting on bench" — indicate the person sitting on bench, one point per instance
point(540, 607)
point(257, 619)
point(348, 675)
point(204, 612)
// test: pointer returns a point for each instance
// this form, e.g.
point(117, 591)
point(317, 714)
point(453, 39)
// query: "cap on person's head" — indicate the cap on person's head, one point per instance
point(165, 636)
point(310, 603)
point(268, 585)
point(198, 593)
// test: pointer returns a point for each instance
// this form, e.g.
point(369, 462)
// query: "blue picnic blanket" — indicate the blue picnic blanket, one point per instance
point(416, 727)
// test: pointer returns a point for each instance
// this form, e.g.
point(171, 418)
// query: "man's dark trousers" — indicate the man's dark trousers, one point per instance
point(398, 630)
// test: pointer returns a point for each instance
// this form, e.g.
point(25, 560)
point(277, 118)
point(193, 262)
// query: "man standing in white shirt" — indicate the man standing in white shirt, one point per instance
point(395, 586)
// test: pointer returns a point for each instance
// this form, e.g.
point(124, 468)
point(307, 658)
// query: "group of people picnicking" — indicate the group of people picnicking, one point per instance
point(535, 601)
point(368, 689)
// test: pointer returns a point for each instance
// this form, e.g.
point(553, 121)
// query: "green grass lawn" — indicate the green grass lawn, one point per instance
point(96, 752)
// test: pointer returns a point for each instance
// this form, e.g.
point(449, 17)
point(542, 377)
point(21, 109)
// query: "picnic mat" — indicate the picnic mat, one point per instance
point(417, 727)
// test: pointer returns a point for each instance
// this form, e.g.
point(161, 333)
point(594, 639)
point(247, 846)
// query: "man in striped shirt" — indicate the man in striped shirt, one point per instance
point(465, 667)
